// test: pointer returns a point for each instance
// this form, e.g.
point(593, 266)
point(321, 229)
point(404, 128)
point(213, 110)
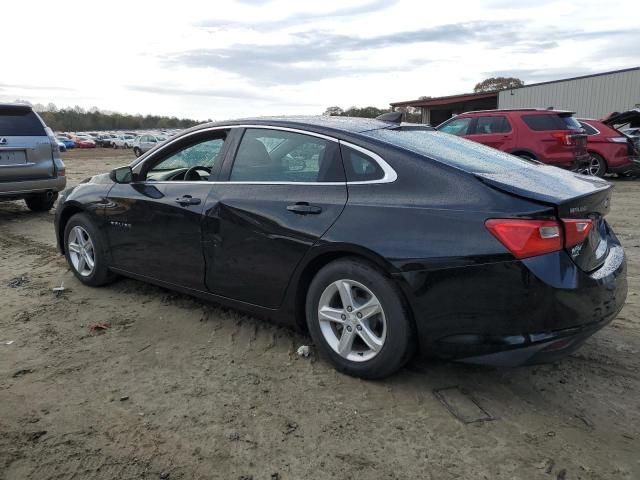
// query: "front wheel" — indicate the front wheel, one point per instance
point(137, 152)
point(85, 251)
point(357, 319)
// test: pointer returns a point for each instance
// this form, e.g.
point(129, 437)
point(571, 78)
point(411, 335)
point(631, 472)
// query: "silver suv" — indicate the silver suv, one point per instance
point(144, 143)
point(30, 164)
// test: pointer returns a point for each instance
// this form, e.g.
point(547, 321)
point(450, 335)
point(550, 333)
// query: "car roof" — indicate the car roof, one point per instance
point(516, 110)
point(321, 122)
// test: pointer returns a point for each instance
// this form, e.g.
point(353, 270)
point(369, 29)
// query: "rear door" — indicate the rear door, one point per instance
point(25, 149)
point(493, 131)
point(285, 188)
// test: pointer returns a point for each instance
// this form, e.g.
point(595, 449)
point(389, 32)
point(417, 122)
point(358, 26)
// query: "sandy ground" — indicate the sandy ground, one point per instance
point(179, 389)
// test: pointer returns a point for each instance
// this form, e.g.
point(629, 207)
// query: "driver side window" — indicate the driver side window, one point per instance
point(204, 154)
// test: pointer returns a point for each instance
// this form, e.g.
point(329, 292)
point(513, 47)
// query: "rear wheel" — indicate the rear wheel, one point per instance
point(85, 251)
point(42, 202)
point(114, 145)
point(597, 166)
point(357, 319)
point(136, 151)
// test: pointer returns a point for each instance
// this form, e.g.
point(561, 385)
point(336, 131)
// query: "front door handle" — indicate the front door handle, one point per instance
point(186, 200)
point(303, 208)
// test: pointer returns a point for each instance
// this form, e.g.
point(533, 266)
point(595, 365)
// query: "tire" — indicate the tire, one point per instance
point(41, 202)
point(597, 166)
point(114, 145)
point(391, 329)
point(78, 229)
point(137, 152)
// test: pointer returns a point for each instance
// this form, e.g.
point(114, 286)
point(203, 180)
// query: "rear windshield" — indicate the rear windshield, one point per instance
point(18, 123)
point(452, 150)
point(551, 122)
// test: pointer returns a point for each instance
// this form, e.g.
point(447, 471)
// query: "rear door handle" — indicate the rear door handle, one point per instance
point(188, 200)
point(303, 208)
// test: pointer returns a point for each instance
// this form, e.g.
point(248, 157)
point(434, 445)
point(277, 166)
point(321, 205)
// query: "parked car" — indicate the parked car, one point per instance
point(68, 143)
point(30, 165)
point(84, 141)
point(123, 141)
point(553, 137)
point(611, 151)
point(144, 143)
point(631, 132)
point(61, 145)
point(358, 230)
point(105, 139)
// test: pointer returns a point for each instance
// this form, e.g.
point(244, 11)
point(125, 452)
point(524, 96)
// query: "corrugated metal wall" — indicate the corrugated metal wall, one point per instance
point(591, 97)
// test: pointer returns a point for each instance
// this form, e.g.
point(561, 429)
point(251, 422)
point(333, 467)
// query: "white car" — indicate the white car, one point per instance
point(123, 141)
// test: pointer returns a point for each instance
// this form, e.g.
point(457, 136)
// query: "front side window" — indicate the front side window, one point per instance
point(459, 126)
point(494, 124)
point(205, 155)
point(266, 155)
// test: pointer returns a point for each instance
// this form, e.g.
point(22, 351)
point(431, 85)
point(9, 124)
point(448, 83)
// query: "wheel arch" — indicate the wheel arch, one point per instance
point(524, 151)
point(322, 257)
point(68, 212)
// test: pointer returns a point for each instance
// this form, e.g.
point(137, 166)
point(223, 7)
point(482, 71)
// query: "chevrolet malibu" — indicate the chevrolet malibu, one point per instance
point(380, 238)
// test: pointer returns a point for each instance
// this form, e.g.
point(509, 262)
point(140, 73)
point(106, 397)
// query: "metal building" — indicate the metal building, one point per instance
point(590, 96)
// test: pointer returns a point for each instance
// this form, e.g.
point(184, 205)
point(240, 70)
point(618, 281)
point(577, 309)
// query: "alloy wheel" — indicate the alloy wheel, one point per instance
point(352, 320)
point(593, 168)
point(81, 251)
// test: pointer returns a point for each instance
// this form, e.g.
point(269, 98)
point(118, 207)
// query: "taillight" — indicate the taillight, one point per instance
point(60, 172)
point(527, 238)
point(576, 231)
point(562, 137)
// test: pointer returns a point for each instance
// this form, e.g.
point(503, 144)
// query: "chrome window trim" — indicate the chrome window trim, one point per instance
point(390, 174)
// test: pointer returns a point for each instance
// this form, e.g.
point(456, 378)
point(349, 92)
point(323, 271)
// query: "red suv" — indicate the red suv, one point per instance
point(611, 150)
point(553, 137)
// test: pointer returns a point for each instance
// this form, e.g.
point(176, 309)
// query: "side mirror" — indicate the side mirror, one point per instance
point(121, 174)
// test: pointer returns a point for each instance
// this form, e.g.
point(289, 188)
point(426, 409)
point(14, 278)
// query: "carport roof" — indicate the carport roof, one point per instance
point(448, 100)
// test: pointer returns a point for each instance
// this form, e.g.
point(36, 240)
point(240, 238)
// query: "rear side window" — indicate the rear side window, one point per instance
point(487, 125)
point(20, 123)
point(359, 167)
point(551, 122)
point(458, 126)
point(266, 155)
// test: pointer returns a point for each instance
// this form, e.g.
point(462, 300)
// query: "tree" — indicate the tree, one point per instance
point(333, 111)
point(498, 83)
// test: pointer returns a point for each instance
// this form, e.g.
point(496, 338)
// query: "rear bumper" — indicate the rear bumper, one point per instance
point(27, 187)
point(518, 312)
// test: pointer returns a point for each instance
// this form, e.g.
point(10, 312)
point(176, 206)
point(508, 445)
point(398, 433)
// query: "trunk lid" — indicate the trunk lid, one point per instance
point(574, 196)
point(622, 118)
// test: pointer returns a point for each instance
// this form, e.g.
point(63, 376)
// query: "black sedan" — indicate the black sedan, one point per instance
point(380, 238)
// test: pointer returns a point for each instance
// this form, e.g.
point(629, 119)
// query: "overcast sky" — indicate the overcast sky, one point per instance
point(264, 57)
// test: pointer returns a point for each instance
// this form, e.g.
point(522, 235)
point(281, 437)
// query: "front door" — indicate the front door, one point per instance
point(154, 223)
point(284, 190)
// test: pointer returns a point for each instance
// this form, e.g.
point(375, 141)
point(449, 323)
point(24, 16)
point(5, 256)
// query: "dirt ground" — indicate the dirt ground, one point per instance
point(176, 388)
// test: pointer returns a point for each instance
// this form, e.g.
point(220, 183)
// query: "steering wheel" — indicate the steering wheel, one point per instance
point(191, 172)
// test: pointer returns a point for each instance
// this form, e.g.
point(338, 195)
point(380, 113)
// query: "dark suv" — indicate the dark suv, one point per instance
point(553, 137)
point(30, 164)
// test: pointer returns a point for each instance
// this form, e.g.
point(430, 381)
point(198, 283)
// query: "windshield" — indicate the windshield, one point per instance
point(451, 150)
